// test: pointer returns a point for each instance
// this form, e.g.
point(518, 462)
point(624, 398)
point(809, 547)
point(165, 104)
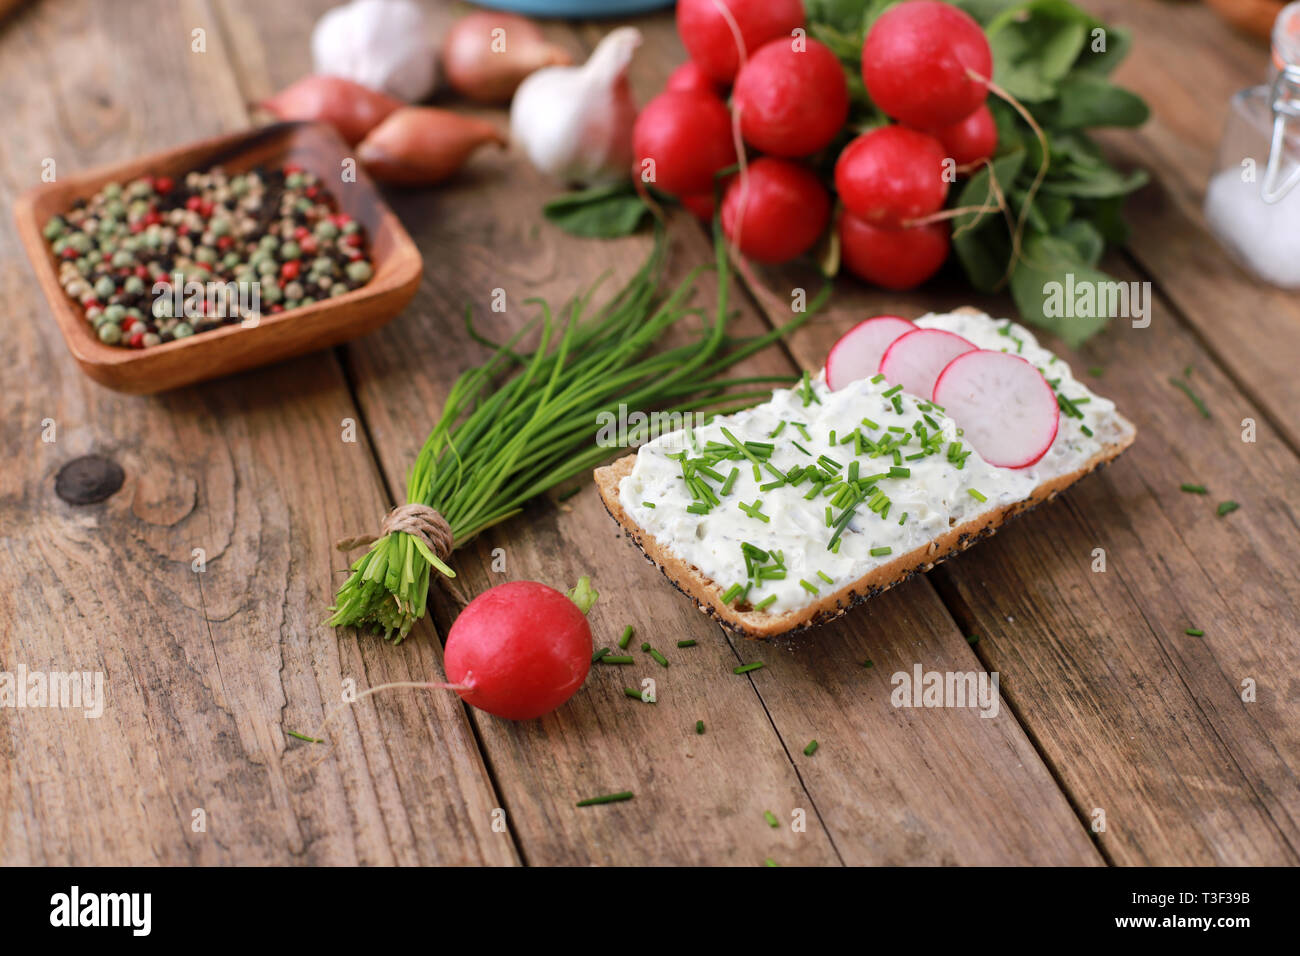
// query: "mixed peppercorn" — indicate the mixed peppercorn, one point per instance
point(132, 252)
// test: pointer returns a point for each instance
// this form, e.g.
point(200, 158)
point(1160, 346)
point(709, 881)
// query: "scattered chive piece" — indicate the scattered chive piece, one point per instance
point(645, 646)
point(294, 733)
point(627, 636)
point(779, 428)
point(690, 643)
point(599, 654)
point(730, 482)
point(977, 495)
point(733, 592)
point(803, 430)
point(1194, 632)
point(771, 819)
point(770, 862)
point(746, 668)
point(611, 659)
point(811, 748)
point(1227, 507)
point(810, 588)
point(1194, 489)
point(1190, 393)
point(897, 472)
point(608, 798)
point(890, 392)
point(801, 448)
point(647, 504)
point(877, 379)
point(636, 695)
point(868, 663)
point(881, 552)
point(658, 658)
point(761, 605)
point(825, 577)
point(1086, 430)
point(972, 639)
point(699, 726)
point(1096, 371)
point(870, 424)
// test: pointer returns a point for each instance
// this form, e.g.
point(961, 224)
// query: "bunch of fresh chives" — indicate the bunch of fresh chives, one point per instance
point(500, 443)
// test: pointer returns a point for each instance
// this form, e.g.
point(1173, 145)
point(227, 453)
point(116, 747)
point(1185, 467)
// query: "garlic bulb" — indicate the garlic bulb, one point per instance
point(382, 44)
point(575, 122)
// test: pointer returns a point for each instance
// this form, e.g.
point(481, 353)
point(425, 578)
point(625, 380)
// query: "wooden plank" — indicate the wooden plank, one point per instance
point(1194, 773)
point(1134, 717)
point(1188, 67)
point(204, 672)
point(483, 229)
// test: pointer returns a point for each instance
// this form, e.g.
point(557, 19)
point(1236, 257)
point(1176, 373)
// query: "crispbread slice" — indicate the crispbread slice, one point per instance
point(707, 595)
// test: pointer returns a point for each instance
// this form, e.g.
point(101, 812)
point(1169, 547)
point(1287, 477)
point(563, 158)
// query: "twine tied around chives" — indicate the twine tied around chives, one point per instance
point(417, 520)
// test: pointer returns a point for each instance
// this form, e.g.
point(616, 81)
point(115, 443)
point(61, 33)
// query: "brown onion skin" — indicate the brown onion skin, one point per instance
point(352, 109)
point(423, 145)
point(479, 74)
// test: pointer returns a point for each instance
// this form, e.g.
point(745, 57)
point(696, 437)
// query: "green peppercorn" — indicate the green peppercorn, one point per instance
point(290, 250)
point(115, 312)
point(205, 254)
point(267, 267)
point(326, 229)
point(110, 333)
point(104, 287)
point(306, 300)
point(359, 271)
point(54, 227)
point(294, 181)
point(182, 330)
point(112, 190)
point(122, 258)
point(270, 292)
point(338, 289)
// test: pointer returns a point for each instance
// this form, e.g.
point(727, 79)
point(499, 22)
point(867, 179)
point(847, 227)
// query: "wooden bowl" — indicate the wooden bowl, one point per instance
point(231, 348)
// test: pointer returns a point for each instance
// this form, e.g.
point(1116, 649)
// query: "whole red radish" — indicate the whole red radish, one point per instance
point(971, 140)
point(792, 97)
point(894, 259)
point(1006, 409)
point(521, 648)
point(857, 353)
point(691, 78)
point(706, 30)
point(892, 174)
point(916, 59)
point(776, 211)
point(681, 139)
point(915, 360)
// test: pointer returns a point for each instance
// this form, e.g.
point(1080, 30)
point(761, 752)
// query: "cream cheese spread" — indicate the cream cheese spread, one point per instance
point(795, 498)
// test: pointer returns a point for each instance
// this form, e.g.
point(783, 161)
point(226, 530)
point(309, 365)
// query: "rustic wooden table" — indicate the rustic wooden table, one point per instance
point(1109, 709)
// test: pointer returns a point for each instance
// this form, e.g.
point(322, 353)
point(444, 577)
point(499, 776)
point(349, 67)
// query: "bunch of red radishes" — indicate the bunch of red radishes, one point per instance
point(924, 63)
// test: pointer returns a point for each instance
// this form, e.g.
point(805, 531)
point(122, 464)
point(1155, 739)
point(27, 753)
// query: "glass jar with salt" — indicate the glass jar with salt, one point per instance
point(1253, 204)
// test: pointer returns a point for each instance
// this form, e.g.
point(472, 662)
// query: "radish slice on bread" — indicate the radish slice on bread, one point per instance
point(915, 360)
point(858, 352)
point(1005, 407)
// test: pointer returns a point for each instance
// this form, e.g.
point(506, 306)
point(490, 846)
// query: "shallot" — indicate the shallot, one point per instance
point(575, 122)
point(486, 55)
point(422, 145)
point(352, 109)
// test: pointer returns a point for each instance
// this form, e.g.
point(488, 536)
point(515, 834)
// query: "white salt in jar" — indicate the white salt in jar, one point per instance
point(1253, 204)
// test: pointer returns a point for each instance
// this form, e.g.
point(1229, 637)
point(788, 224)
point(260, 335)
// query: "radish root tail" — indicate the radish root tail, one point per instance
point(1017, 234)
